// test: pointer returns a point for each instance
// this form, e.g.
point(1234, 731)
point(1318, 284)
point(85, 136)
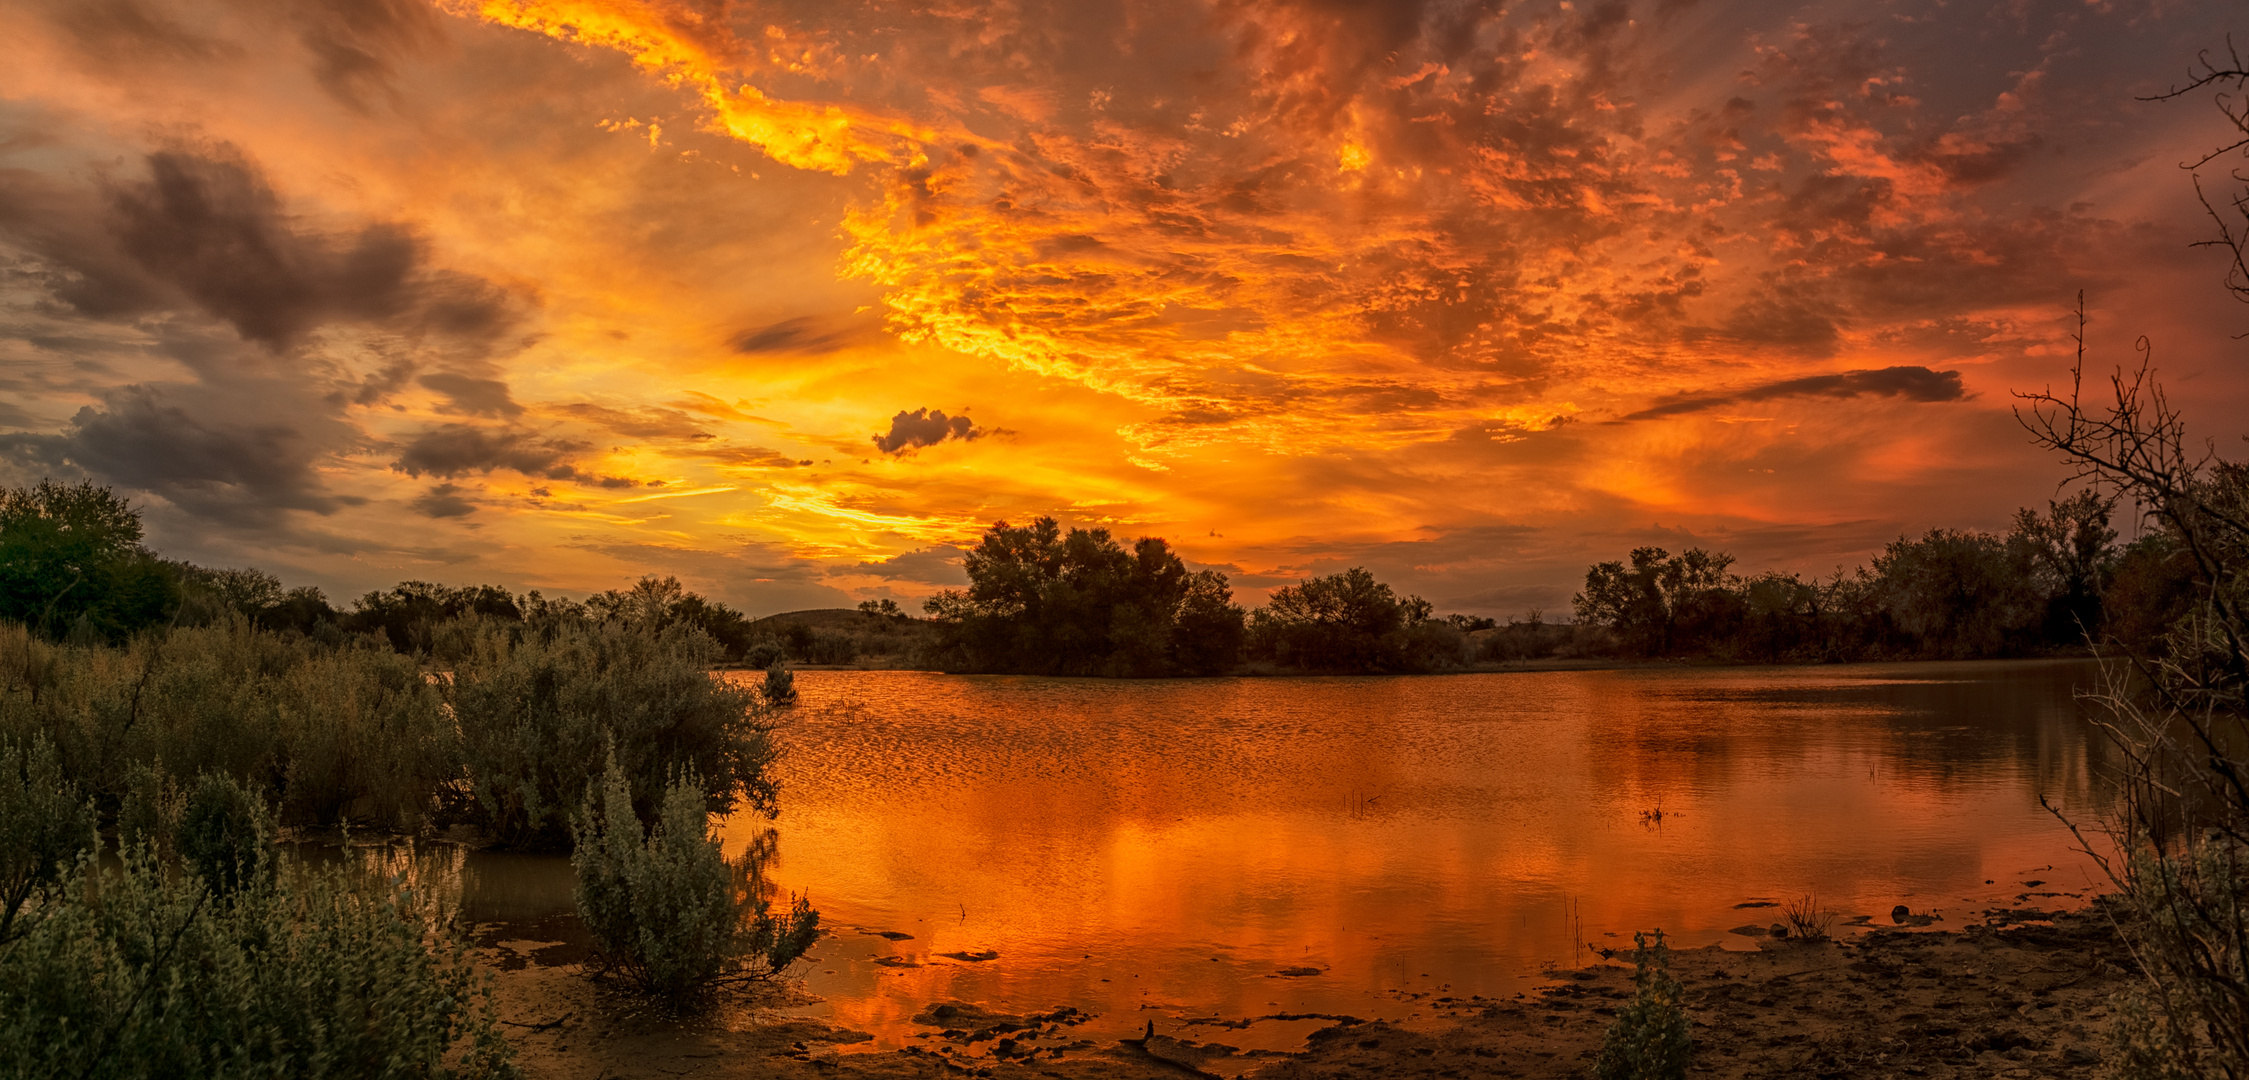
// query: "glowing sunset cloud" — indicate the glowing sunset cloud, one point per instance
point(790, 299)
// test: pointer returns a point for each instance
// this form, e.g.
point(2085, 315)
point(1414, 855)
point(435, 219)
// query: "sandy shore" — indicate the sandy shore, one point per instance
point(2010, 999)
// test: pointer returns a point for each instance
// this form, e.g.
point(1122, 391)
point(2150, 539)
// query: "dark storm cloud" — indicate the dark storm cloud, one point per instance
point(205, 230)
point(474, 397)
point(443, 501)
point(456, 450)
point(924, 427)
point(219, 455)
point(452, 451)
point(1908, 382)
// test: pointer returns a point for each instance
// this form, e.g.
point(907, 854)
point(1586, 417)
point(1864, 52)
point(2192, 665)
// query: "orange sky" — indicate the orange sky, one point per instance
point(551, 294)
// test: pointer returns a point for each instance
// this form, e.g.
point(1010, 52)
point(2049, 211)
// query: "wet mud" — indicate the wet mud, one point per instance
point(2021, 994)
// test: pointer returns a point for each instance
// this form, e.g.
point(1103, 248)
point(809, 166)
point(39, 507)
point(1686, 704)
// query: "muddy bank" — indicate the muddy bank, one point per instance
point(2019, 997)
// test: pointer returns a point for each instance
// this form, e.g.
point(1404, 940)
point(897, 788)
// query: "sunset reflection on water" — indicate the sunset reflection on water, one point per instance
point(1157, 850)
point(1187, 849)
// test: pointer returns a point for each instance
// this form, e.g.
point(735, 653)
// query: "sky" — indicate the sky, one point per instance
point(793, 299)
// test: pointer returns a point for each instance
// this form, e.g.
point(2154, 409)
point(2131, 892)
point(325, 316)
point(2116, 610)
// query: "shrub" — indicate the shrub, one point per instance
point(1649, 1039)
point(536, 709)
point(1349, 622)
point(780, 687)
point(323, 732)
point(225, 835)
point(141, 973)
point(664, 907)
point(1807, 919)
point(44, 827)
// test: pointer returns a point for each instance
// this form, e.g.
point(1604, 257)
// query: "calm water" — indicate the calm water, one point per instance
point(1165, 850)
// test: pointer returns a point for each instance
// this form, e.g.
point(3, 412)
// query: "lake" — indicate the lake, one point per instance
point(1235, 848)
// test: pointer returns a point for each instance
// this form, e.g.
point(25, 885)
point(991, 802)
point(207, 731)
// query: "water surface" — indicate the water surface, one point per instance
point(1181, 849)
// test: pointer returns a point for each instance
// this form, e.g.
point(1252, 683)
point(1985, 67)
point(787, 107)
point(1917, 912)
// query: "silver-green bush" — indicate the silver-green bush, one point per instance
point(44, 827)
point(146, 972)
point(666, 911)
point(536, 708)
point(325, 732)
point(1649, 1039)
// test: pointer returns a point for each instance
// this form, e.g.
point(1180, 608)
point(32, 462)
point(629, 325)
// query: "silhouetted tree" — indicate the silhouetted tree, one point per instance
point(1349, 622)
point(71, 561)
point(1960, 593)
point(1645, 602)
point(2072, 552)
point(409, 611)
point(1042, 601)
point(207, 596)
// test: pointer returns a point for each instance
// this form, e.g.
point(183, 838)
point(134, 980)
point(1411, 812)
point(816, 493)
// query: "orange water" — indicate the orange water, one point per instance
point(1164, 850)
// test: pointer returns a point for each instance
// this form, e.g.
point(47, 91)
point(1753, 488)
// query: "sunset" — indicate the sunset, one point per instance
point(554, 295)
point(1277, 539)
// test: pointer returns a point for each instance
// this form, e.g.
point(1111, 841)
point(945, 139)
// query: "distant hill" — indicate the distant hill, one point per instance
point(845, 637)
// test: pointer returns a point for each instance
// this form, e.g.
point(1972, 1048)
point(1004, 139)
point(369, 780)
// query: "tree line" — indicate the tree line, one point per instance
point(2057, 579)
point(1045, 600)
point(73, 568)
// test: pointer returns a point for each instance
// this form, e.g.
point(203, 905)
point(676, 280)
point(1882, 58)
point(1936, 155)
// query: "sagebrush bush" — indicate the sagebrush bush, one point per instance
point(1649, 1038)
point(666, 910)
point(780, 687)
point(224, 833)
point(323, 731)
point(352, 732)
point(45, 826)
point(143, 972)
point(536, 709)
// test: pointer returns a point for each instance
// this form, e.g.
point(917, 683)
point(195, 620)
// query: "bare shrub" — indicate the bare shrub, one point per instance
point(2175, 706)
point(1807, 920)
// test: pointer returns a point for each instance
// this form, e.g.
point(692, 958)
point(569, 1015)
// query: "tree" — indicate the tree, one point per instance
point(1644, 603)
point(658, 602)
point(2071, 552)
point(207, 596)
point(1041, 601)
point(409, 610)
point(2181, 835)
point(1962, 593)
point(71, 556)
point(1349, 622)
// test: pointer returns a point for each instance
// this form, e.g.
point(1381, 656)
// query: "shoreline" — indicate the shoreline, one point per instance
point(2023, 995)
point(1479, 668)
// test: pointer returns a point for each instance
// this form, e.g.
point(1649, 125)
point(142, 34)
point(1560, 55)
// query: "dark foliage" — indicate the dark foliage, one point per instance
point(1043, 602)
point(1351, 623)
point(2046, 584)
point(71, 563)
point(407, 612)
point(537, 709)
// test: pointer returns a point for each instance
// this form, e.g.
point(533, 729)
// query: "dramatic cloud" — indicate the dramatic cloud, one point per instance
point(201, 452)
point(563, 291)
point(474, 397)
point(443, 501)
point(1910, 383)
point(456, 450)
point(924, 427)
